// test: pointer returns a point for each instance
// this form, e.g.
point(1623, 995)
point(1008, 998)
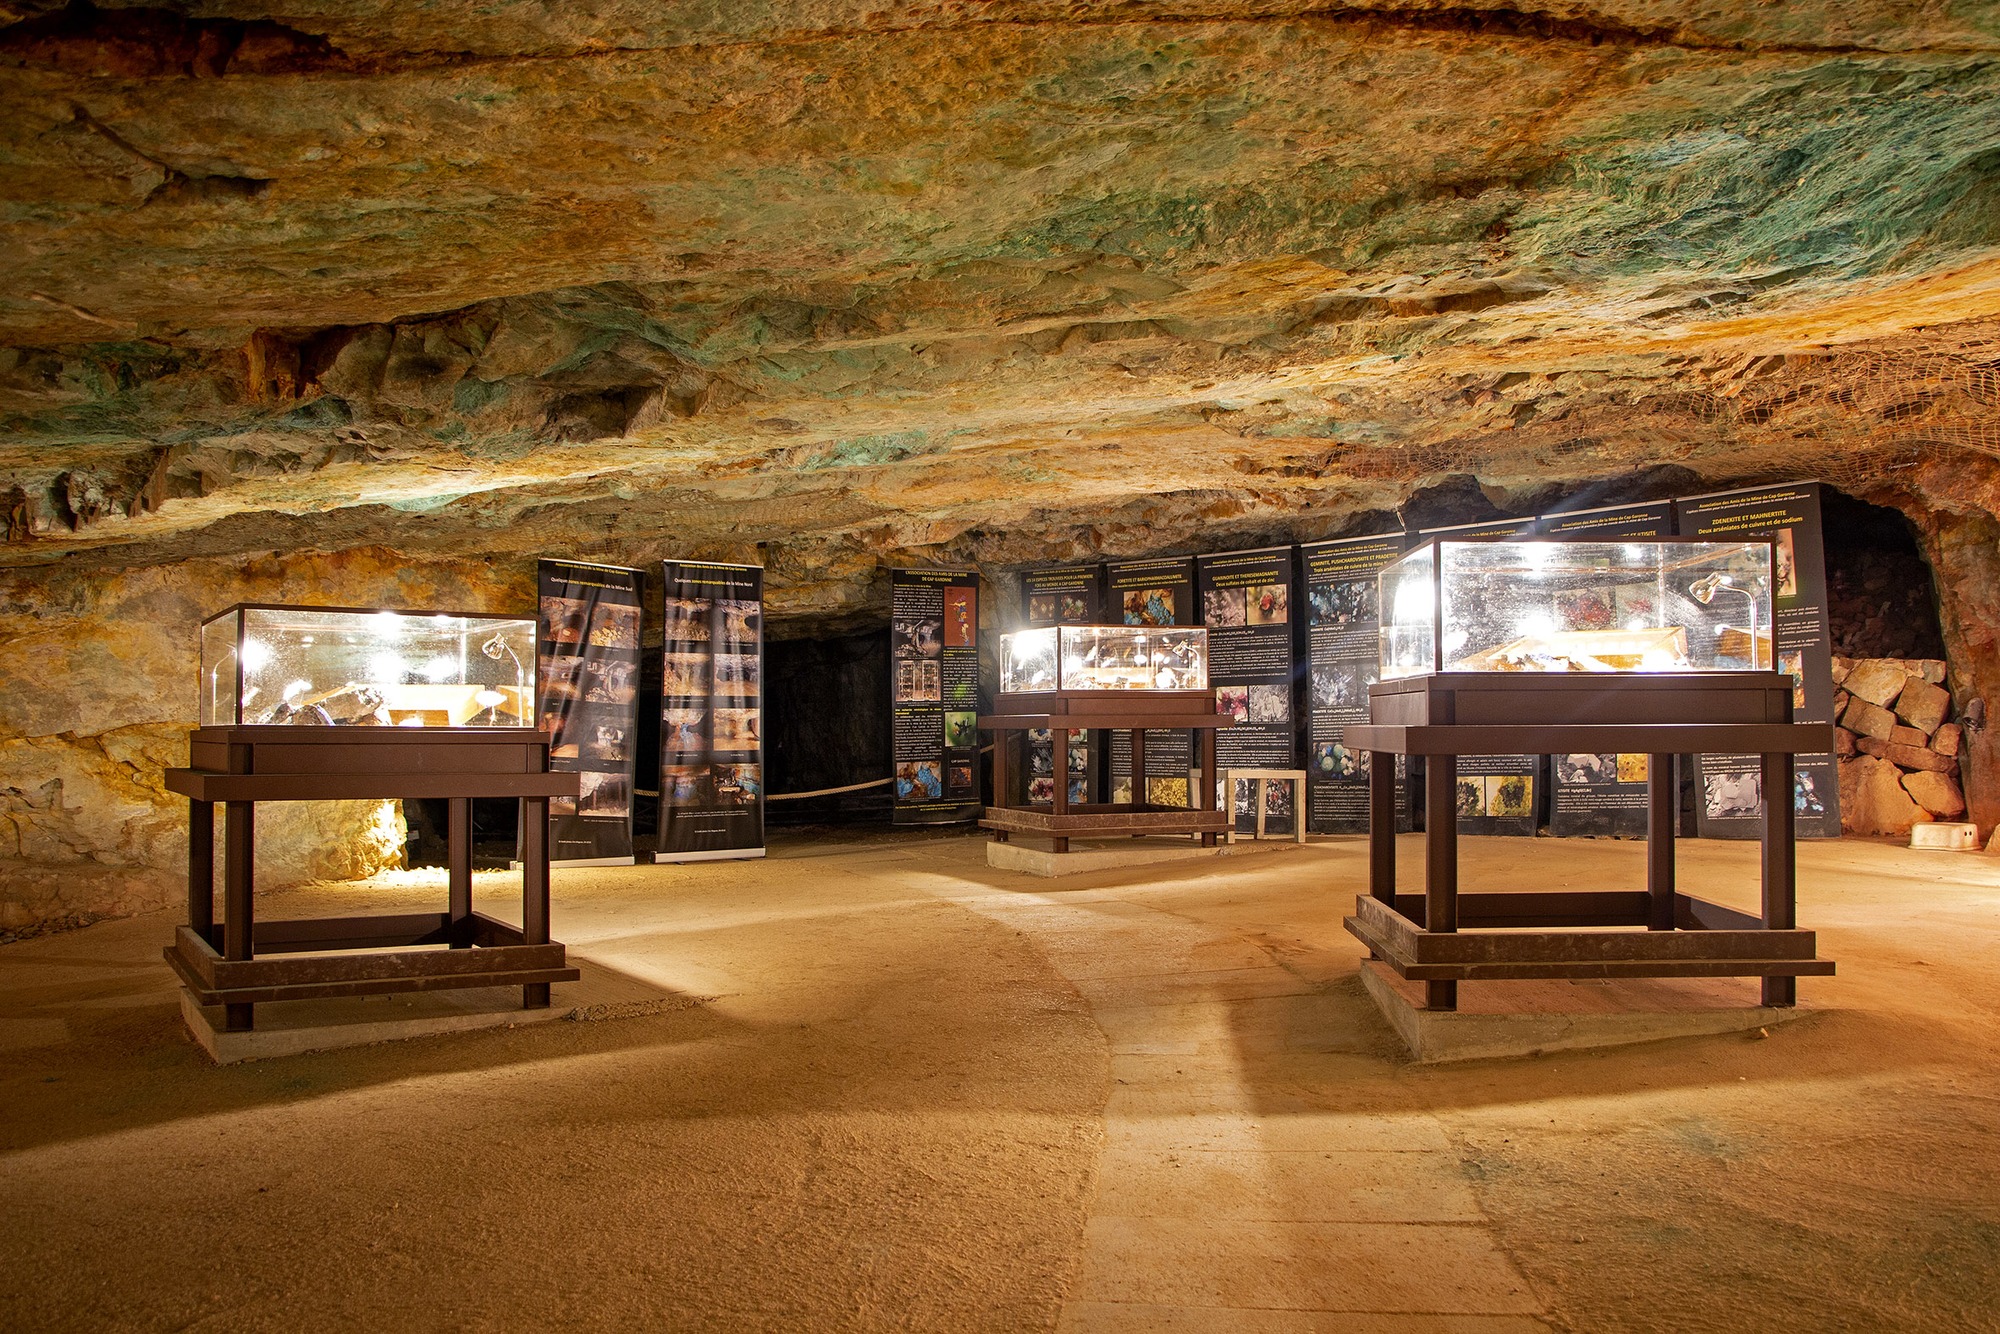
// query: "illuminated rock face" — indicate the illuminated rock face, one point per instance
point(351, 302)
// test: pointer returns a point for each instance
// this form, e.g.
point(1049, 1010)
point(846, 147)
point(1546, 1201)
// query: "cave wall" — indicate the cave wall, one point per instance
point(352, 302)
point(97, 678)
point(97, 695)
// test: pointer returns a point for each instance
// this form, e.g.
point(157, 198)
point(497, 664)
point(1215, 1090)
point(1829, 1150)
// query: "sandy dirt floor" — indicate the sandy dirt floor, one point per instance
point(897, 1089)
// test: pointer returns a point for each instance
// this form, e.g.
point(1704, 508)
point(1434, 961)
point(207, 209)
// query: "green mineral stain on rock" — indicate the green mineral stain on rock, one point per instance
point(470, 395)
point(426, 504)
point(867, 451)
point(505, 447)
point(1845, 163)
point(322, 413)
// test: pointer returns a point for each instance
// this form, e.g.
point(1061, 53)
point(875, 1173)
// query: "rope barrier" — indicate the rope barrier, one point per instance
point(851, 787)
point(827, 791)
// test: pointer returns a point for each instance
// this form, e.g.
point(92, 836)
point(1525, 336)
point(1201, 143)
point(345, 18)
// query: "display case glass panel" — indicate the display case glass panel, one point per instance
point(1533, 605)
point(1104, 657)
point(1028, 661)
point(320, 666)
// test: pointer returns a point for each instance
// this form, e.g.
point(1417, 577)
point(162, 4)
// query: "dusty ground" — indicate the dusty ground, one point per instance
point(910, 1092)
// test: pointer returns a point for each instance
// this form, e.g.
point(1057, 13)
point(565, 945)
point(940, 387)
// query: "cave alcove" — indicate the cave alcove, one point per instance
point(826, 702)
point(1881, 599)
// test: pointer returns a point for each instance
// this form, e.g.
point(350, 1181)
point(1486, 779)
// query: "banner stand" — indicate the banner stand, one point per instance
point(711, 705)
point(587, 671)
point(1343, 658)
point(934, 696)
point(1247, 604)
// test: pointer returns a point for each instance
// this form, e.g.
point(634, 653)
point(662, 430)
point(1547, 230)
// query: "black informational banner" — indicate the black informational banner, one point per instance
point(1246, 604)
point(711, 712)
point(1496, 793)
point(934, 695)
point(1343, 658)
point(1152, 592)
point(1062, 595)
point(1603, 795)
point(587, 681)
point(1652, 519)
point(1728, 788)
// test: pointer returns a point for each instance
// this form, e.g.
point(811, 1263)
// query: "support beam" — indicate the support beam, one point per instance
point(1382, 826)
point(239, 920)
point(1662, 823)
point(1441, 864)
point(1780, 866)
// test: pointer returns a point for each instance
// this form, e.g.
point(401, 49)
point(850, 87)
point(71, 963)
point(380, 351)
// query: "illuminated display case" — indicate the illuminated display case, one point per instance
point(1103, 657)
point(1537, 605)
point(354, 667)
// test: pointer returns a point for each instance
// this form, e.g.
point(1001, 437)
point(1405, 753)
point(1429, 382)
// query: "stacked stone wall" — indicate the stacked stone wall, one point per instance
point(1900, 750)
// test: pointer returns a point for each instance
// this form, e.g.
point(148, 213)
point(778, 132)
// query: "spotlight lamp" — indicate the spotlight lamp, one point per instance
point(1704, 589)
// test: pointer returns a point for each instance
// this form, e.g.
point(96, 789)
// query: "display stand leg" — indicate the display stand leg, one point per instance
point(1138, 766)
point(1205, 801)
point(1059, 765)
point(1441, 864)
point(1382, 826)
point(535, 889)
point(1662, 819)
point(1000, 775)
point(1781, 909)
point(458, 868)
point(1263, 786)
point(239, 923)
point(201, 869)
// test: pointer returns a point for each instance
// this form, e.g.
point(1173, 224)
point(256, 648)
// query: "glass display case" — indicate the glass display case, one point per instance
point(338, 666)
point(1541, 605)
point(1104, 657)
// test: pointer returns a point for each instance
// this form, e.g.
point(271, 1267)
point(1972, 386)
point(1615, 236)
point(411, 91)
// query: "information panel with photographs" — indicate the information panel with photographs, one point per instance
point(1343, 656)
point(1246, 604)
point(711, 712)
point(934, 695)
point(1496, 793)
point(587, 699)
point(1152, 592)
point(1603, 795)
point(1729, 798)
point(1061, 595)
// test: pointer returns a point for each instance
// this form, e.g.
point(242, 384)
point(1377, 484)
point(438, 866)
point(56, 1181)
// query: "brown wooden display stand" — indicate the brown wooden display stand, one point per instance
point(240, 766)
point(1140, 711)
point(1442, 936)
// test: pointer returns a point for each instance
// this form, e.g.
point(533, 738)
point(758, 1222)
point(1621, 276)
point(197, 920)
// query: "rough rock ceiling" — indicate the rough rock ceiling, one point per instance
point(996, 280)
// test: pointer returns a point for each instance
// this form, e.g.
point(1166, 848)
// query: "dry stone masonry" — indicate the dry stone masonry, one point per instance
point(1899, 756)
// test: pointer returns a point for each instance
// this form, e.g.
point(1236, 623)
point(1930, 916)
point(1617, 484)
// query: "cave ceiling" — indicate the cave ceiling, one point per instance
point(845, 282)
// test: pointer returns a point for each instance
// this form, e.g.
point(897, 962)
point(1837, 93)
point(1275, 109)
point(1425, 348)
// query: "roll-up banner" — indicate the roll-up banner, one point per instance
point(1246, 604)
point(934, 695)
point(1152, 592)
point(1602, 795)
point(587, 680)
point(1729, 798)
point(711, 712)
point(1062, 595)
point(1344, 656)
point(1496, 793)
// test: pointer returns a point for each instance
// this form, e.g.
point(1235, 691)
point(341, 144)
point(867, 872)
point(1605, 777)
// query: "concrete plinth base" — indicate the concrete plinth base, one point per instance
point(1524, 1018)
point(289, 1028)
point(1113, 854)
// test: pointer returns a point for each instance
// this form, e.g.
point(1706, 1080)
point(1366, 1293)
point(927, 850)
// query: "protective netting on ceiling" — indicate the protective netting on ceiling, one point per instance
point(1852, 416)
